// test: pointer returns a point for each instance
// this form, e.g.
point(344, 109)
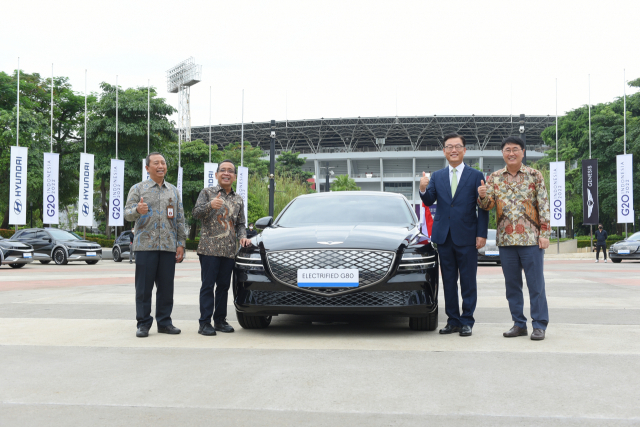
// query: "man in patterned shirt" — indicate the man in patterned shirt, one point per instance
point(156, 208)
point(522, 216)
point(223, 224)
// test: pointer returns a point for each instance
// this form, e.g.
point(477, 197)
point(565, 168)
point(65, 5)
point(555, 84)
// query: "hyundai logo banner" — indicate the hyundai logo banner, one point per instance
point(590, 204)
point(179, 186)
point(18, 186)
point(116, 193)
point(85, 196)
point(50, 187)
point(558, 208)
point(242, 188)
point(625, 188)
point(210, 179)
point(145, 174)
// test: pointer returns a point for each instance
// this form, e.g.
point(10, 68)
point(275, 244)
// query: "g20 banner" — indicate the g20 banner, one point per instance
point(590, 205)
point(116, 193)
point(50, 187)
point(625, 188)
point(145, 174)
point(18, 186)
point(85, 198)
point(242, 188)
point(210, 179)
point(558, 208)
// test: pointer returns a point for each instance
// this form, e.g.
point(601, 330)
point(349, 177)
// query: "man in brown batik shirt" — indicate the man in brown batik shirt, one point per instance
point(221, 211)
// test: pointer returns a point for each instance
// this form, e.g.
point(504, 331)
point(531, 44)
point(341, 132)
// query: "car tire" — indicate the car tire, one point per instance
point(92, 262)
point(45, 262)
point(428, 323)
point(616, 260)
point(253, 322)
point(60, 257)
point(17, 265)
point(116, 255)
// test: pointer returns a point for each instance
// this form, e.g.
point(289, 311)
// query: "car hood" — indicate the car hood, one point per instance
point(79, 243)
point(336, 237)
point(14, 244)
point(627, 243)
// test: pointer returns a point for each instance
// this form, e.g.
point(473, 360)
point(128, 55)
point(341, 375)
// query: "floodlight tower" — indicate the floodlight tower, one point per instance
point(179, 80)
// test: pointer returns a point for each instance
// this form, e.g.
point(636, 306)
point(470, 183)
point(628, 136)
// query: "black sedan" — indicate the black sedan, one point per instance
point(626, 249)
point(59, 245)
point(339, 253)
point(15, 254)
point(122, 246)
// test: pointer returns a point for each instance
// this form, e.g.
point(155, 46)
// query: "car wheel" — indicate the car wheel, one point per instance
point(92, 262)
point(45, 262)
point(253, 322)
point(429, 323)
point(60, 257)
point(616, 260)
point(17, 265)
point(116, 255)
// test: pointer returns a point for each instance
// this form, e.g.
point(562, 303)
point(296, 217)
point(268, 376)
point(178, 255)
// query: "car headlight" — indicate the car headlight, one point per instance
point(250, 261)
point(416, 261)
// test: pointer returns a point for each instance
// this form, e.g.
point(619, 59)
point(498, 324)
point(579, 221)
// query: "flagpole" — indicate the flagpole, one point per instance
point(18, 116)
point(590, 225)
point(209, 124)
point(148, 113)
point(242, 133)
point(624, 114)
point(85, 134)
point(51, 139)
point(557, 228)
point(116, 119)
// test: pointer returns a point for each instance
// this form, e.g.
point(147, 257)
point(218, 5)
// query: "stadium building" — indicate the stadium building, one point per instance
point(386, 153)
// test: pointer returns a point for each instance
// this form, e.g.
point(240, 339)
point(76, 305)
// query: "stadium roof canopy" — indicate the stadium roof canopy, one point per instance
point(359, 134)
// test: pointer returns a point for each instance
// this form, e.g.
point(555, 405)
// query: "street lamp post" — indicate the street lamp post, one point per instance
point(272, 167)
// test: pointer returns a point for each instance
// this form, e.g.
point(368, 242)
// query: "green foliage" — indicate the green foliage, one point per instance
point(344, 183)
point(290, 163)
point(252, 158)
point(255, 210)
point(287, 188)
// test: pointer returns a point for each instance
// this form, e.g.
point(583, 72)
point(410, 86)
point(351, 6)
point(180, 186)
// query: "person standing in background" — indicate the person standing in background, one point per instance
point(601, 242)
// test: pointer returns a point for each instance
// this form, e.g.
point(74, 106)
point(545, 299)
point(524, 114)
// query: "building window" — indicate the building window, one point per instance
point(404, 188)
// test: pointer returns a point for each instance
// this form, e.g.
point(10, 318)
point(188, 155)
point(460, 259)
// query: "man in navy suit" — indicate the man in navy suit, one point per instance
point(457, 230)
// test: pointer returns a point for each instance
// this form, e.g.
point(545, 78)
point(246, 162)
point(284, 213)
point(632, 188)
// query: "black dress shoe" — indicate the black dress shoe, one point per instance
point(168, 330)
point(449, 329)
point(465, 331)
point(223, 326)
point(142, 332)
point(516, 331)
point(537, 334)
point(206, 329)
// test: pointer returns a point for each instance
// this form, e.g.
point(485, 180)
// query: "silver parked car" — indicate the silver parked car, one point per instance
point(490, 251)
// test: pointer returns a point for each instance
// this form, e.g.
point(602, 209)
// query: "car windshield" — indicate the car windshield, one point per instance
point(634, 237)
point(61, 234)
point(347, 210)
point(491, 234)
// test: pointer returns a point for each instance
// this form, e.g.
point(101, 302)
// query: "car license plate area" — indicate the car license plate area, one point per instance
point(91, 254)
point(27, 255)
point(492, 253)
point(328, 277)
point(624, 252)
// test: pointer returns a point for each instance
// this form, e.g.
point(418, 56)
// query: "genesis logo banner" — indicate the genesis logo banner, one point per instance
point(590, 205)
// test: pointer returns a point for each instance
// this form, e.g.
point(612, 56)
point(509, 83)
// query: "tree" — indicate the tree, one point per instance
point(344, 183)
point(252, 158)
point(132, 136)
point(289, 162)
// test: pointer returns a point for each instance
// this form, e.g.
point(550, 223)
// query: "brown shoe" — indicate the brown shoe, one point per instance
point(537, 334)
point(516, 331)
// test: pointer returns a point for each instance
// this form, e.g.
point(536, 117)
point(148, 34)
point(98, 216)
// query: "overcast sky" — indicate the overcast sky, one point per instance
point(304, 60)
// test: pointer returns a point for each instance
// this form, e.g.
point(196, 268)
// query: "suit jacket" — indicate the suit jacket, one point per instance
point(456, 215)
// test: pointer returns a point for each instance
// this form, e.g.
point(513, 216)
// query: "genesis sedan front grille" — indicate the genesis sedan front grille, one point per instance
point(356, 299)
point(373, 265)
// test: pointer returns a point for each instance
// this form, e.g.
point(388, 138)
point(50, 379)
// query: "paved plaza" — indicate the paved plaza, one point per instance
point(70, 358)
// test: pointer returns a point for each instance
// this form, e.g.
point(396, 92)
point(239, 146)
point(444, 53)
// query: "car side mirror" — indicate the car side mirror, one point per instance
point(263, 223)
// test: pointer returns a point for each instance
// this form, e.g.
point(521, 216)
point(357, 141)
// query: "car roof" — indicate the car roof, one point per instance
point(353, 193)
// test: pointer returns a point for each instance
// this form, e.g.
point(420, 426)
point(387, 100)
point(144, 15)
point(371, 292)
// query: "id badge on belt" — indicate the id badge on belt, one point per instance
point(170, 210)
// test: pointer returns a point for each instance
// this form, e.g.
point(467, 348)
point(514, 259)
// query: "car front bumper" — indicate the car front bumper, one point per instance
point(15, 259)
point(81, 255)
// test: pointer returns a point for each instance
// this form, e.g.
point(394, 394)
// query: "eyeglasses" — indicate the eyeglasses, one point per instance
point(451, 147)
point(509, 150)
point(231, 171)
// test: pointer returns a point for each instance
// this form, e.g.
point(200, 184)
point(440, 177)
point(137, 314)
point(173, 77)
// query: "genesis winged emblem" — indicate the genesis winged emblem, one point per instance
point(330, 243)
point(589, 203)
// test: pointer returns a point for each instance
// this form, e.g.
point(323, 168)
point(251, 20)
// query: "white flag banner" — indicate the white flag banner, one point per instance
point(18, 186)
point(558, 208)
point(625, 188)
point(210, 179)
point(145, 174)
point(242, 188)
point(116, 194)
point(179, 186)
point(85, 197)
point(50, 188)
